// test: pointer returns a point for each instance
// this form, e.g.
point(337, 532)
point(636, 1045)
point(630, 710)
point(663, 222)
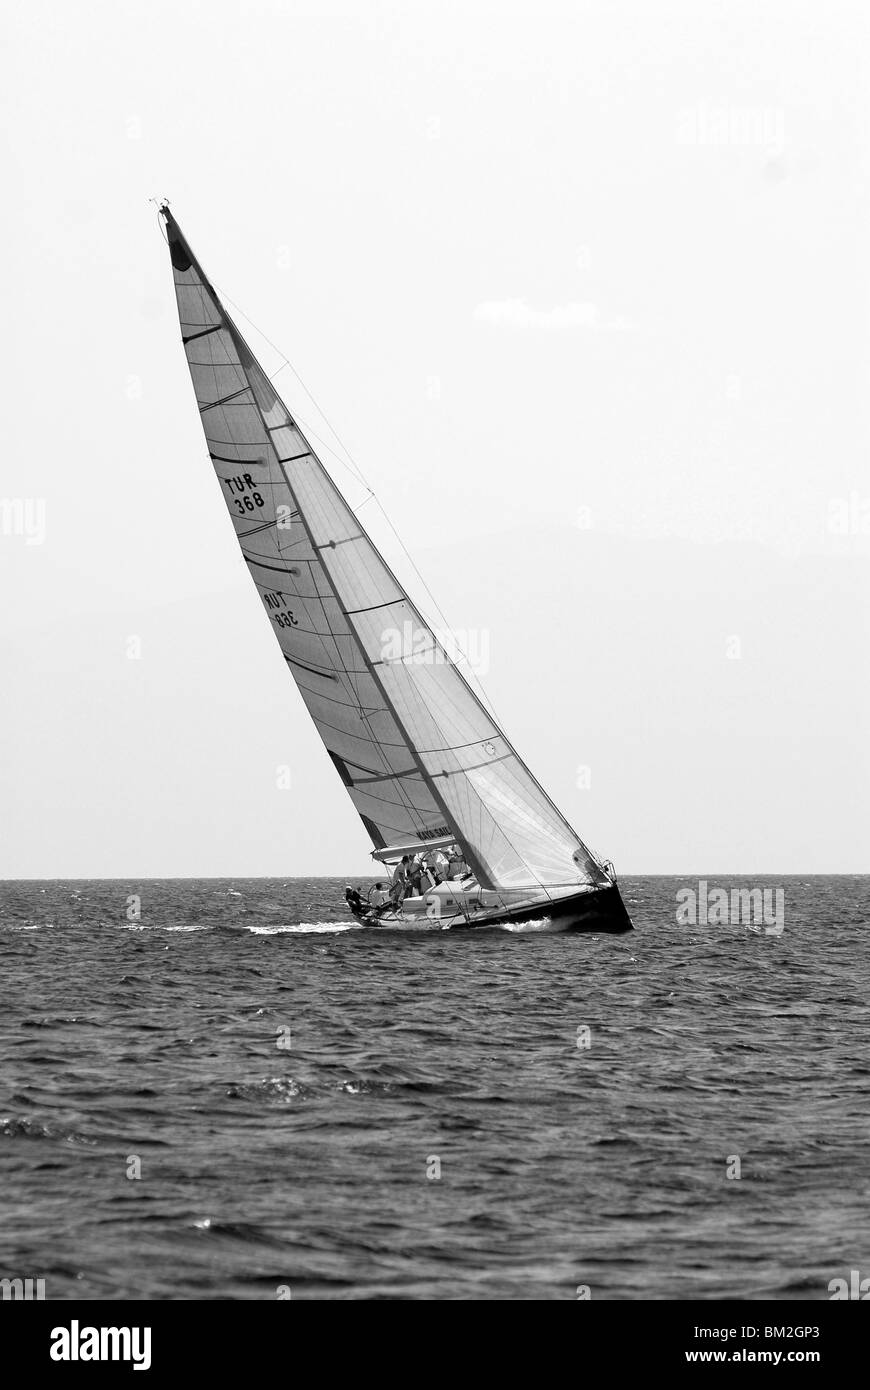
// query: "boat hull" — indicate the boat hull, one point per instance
point(601, 911)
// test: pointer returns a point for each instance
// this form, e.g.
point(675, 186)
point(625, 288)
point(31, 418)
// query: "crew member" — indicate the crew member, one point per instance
point(354, 901)
point(399, 888)
point(377, 896)
point(415, 876)
point(456, 865)
point(436, 864)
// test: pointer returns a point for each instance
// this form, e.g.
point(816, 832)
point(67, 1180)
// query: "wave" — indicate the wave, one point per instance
point(160, 926)
point(276, 1090)
point(13, 1128)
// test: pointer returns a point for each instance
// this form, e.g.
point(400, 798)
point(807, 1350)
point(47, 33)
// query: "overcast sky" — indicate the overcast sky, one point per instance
point(584, 289)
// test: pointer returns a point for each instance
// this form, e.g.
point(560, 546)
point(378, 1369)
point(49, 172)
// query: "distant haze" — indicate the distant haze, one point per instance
point(584, 289)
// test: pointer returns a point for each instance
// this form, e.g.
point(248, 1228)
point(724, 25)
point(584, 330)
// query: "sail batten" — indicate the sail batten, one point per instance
point(443, 766)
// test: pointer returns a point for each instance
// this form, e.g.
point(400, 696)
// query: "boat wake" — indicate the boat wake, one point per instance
point(547, 925)
point(305, 928)
point(537, 924)
point(167, 926)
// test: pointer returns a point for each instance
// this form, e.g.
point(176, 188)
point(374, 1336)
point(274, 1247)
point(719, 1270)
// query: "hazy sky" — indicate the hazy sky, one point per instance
point(583, 287)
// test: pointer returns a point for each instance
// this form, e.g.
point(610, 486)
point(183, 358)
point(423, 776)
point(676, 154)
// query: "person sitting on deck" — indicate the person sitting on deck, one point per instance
point(354, 901)
point(377, 896)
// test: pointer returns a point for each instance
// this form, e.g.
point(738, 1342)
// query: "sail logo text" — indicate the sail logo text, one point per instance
point(762, 909)
point(423, 646)
point(76, 1343)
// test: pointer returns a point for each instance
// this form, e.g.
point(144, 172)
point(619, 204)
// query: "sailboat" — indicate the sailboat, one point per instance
point(426, 765)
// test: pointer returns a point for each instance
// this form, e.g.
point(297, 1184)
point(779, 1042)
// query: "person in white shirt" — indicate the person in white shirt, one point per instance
point(415, 876)
point(400, 885)
point(456, 865)
point(377, 896)
point(436, 864)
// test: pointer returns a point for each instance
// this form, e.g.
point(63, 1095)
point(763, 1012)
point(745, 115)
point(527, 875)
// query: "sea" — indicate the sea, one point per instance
point(226, 1089)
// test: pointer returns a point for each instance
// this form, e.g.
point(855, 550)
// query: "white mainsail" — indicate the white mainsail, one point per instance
point(417, 752)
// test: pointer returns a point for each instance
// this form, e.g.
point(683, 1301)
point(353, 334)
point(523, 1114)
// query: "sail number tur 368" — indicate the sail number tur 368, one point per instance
point(250, 500)
point(277, 603)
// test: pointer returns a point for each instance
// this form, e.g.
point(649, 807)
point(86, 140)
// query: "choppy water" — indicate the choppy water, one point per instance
point(288, 1081)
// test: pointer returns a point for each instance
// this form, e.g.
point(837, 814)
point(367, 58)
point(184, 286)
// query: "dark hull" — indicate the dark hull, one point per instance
point(599, 911)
